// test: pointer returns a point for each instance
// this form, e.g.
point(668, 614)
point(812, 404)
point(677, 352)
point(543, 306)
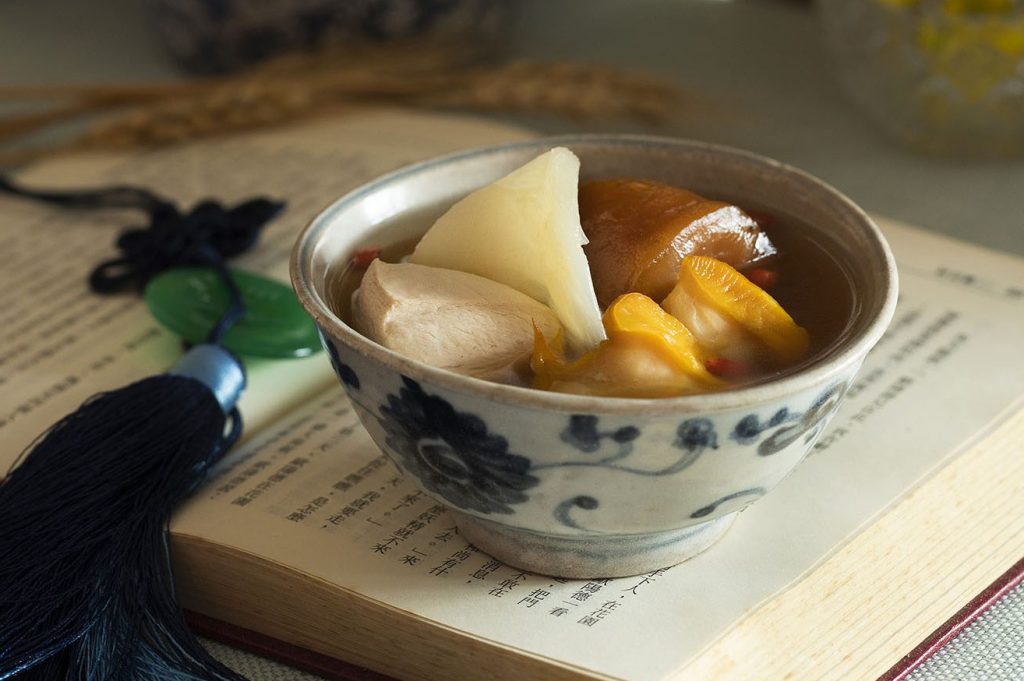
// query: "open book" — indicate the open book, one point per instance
point(910, 504)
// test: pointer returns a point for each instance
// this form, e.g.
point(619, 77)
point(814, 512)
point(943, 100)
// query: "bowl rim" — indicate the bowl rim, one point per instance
point(851, 351)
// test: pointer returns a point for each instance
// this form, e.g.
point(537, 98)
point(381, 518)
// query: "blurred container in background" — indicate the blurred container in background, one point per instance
point(219, 36)
point(941, 76)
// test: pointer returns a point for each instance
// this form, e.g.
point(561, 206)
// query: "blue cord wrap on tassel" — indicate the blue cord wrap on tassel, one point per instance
point(217, 369)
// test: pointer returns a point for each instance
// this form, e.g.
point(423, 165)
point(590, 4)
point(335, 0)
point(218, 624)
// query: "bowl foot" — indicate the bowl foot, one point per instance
point(594, 556)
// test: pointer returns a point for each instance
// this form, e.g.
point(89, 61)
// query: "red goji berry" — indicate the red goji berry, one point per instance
point(727, 368)
point(762, 277)
point(363, 258)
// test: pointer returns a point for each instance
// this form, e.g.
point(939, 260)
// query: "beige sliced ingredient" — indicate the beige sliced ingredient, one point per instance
point(452, 320)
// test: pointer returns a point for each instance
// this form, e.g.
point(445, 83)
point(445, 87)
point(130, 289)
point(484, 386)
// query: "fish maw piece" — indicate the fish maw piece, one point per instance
point(451, 320)
point(648, 354)
point(639, 231)
point(732, 317)
point(524, 231)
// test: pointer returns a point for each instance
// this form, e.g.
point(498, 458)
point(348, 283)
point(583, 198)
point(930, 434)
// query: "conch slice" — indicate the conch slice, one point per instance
point(733, 318)
point(648, 353)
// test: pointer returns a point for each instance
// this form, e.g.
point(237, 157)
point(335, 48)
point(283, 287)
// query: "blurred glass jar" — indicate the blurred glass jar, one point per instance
point(219, 36)
point(942, 76)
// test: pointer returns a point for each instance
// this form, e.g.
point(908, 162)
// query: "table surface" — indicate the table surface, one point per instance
point(758, 77)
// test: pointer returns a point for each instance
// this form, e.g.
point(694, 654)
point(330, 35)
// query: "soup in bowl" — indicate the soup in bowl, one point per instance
point(546, 463)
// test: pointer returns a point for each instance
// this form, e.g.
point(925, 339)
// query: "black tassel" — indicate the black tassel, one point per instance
point(86, 591)
point(85, 581)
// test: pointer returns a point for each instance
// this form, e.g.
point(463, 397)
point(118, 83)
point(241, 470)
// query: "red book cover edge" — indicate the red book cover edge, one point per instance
point(1006, 583)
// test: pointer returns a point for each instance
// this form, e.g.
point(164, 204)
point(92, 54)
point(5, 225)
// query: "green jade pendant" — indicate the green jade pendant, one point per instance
point(190, 300)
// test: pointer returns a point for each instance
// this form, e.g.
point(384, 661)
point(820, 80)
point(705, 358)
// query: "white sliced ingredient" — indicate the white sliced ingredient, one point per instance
point(524, 231)
point(452, 320)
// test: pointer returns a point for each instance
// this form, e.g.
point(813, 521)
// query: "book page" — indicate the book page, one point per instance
point(60, 342)
point(314, 493)
point(310, 490)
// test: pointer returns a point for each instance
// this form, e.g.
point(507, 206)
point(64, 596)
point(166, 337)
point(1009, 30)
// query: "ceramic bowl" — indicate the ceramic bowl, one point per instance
point(581, 486)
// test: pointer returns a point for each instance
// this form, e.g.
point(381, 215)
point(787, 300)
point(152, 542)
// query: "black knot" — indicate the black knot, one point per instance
point(207, 235)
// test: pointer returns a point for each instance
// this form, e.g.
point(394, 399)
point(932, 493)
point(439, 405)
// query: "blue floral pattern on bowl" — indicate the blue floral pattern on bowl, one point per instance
point(564, 481)
point(344, 371)
point(459, 457)
point(452, 453)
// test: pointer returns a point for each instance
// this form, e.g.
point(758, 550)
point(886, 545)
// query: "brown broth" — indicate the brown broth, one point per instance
point(343, 285)
point(812, 285)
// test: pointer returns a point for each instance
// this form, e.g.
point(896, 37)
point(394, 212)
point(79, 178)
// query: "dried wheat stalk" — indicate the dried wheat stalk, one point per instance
point(299, 86)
